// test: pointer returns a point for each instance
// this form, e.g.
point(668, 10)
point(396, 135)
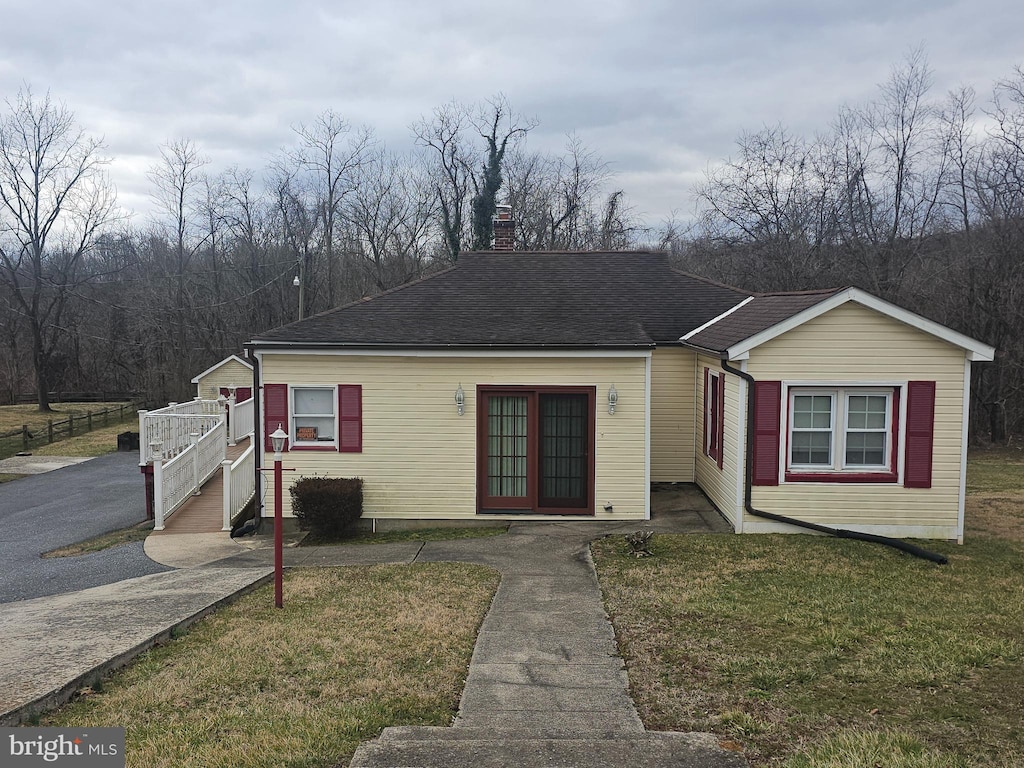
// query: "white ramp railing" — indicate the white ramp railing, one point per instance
point(172, 427)
point(239, 484)
point(184, 474)
point(241, 420)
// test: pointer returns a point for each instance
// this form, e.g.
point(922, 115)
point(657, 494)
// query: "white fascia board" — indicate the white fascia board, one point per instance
point(714, 320)
point(215, 366)
point(975, 349)
point(454, 352)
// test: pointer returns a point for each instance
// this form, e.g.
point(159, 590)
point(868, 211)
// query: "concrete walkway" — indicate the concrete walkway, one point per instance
point(546, 686)
point(54, 646)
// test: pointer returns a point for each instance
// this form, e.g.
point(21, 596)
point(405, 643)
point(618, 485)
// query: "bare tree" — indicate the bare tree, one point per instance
point(329, 155)
point(894, 173)
point(55, 200)
point(557, 201)
point(497, 125)
point(298, 221)
point(391, 212)
point(453, 134)
point(445, 135)
point(178, 181)
point(771, 207)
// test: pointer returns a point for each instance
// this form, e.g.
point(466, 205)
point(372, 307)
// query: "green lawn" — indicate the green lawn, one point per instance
point(815, 652)
point(353, 650)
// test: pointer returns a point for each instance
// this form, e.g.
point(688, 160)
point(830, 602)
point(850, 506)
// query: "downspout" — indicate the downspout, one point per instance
point(842, 533)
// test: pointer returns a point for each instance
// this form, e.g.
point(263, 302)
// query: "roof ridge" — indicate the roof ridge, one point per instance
point(709, 281)
point(810, 292)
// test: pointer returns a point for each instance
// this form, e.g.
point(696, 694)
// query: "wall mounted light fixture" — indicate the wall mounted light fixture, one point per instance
point(613, 399)
point(460, 400)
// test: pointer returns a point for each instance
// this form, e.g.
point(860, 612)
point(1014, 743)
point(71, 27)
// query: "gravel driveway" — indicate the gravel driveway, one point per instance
point(42, 512)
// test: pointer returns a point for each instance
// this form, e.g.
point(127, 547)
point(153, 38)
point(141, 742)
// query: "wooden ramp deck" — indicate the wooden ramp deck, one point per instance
point(203, 513)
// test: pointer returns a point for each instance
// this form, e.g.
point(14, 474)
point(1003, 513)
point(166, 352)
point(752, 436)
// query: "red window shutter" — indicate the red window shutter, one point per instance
point(275, 412)
point(707, 412)
point(920, 429)
point(350, 418)
point(721, 421)
point(767, 426)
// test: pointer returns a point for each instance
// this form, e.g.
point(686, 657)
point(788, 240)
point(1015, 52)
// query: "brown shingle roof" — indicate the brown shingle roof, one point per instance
point(760, 313)
point(489, 299)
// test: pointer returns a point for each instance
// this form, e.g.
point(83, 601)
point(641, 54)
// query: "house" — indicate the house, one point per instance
point(231, 373)
point(530, 385)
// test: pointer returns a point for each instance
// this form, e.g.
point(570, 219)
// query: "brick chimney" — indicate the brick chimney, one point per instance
point(504, 229)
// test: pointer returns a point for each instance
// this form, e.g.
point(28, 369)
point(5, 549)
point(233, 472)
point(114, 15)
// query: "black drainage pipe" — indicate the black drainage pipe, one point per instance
point(841, 533)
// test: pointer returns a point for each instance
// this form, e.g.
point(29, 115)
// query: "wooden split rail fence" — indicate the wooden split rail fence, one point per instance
point(31, 436)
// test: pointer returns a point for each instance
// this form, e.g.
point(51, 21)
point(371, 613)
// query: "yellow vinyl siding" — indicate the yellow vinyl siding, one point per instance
point(855, 344)
point(419, 456)
point(720, 485)
point(672, 415)
point(231, 374)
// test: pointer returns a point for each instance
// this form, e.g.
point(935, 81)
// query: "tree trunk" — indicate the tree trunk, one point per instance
point(41, 361)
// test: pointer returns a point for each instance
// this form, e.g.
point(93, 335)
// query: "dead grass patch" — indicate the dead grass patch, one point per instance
point(14, 416)
point(353, 650)
point(104, 541)
point(995, 494)
point(95, 443)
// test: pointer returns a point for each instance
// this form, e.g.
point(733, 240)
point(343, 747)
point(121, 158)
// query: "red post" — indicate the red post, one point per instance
point(278, 535)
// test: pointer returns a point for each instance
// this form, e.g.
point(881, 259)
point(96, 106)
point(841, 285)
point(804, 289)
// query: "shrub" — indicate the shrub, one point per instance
point(327, 506)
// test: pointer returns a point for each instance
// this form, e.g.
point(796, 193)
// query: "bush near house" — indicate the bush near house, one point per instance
point(327, 506)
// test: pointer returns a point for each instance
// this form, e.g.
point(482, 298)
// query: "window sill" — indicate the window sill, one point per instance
point(841, 477)
point(331, 448)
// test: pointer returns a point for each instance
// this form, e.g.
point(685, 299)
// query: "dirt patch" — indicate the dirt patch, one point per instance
point(999, 515)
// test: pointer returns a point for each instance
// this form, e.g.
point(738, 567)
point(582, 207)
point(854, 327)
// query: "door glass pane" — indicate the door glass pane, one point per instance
point(563, 449)
point(506, 445)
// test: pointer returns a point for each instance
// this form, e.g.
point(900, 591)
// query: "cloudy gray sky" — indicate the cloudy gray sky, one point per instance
point(660, 89)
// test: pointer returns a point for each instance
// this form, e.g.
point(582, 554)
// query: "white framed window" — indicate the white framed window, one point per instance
point(841, 430)
point(314, 418)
